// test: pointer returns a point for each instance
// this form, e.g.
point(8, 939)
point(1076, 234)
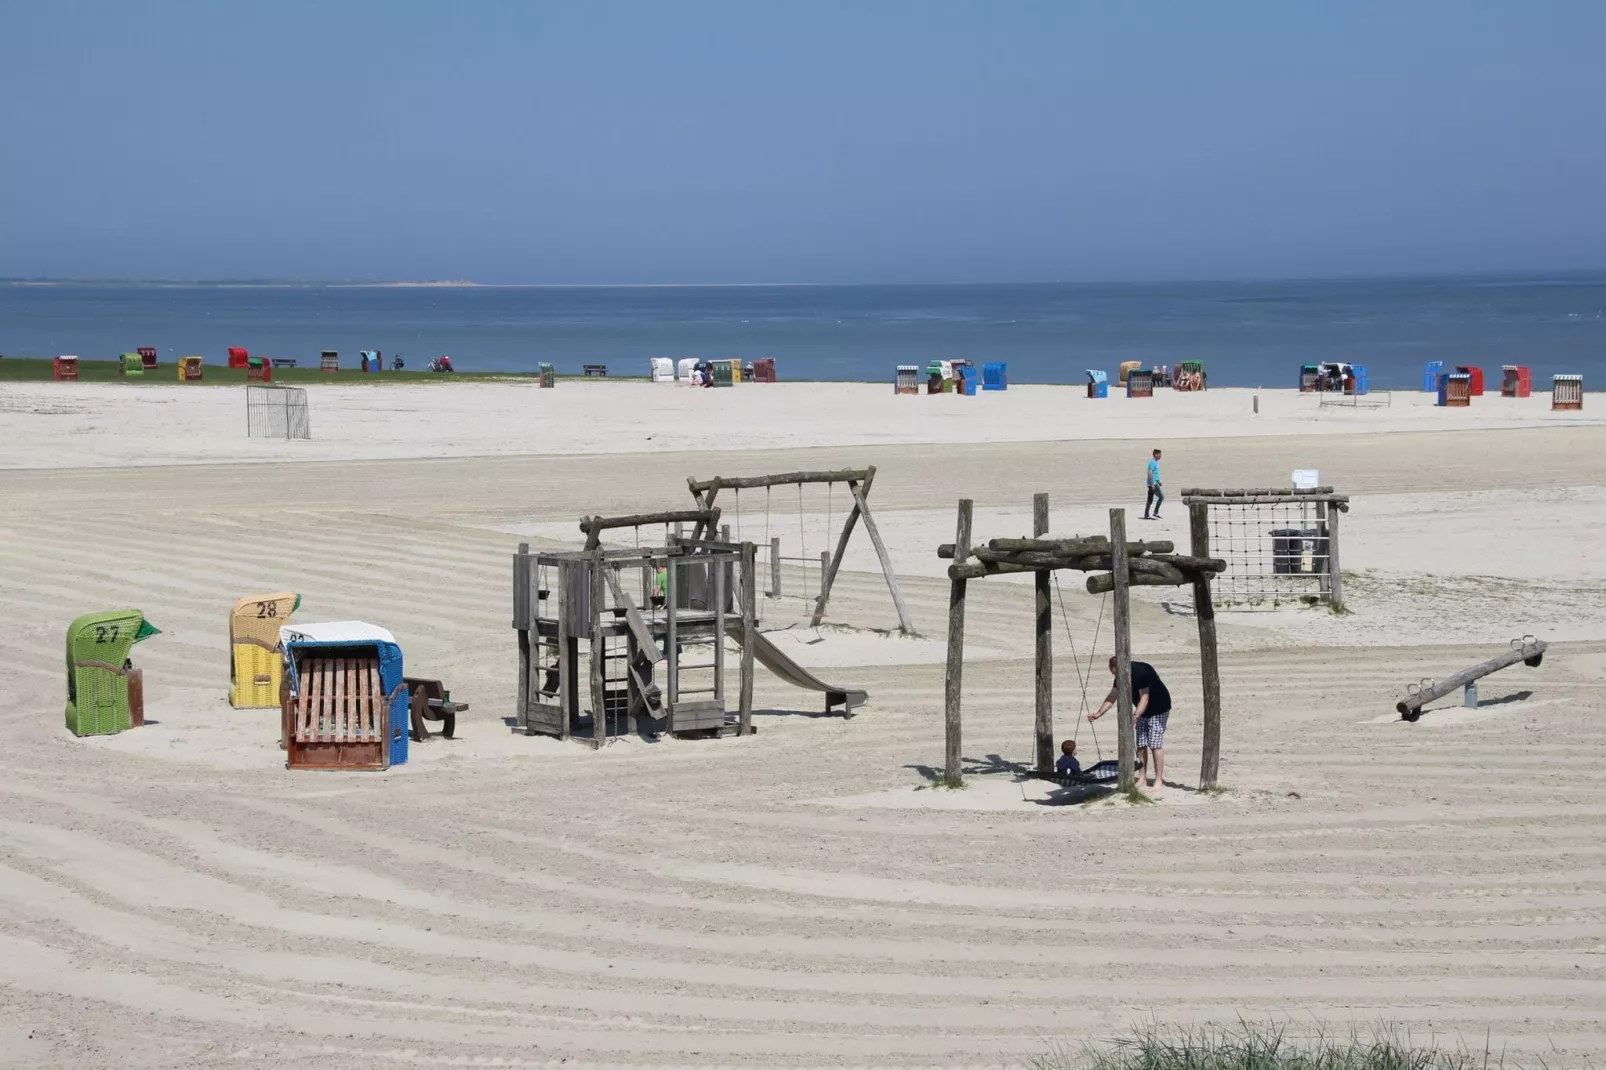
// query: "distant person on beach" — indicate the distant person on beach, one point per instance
point(1156, 495)
point(1068, 765)
point(1151, 706)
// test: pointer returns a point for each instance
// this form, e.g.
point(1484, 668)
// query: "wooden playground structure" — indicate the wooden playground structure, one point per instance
point(858, 482)
point(1119, 565)
point(691, 593)
point(652, 622)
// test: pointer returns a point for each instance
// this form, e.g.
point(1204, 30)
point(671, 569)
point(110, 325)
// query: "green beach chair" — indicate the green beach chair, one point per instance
point(131, 364)
point(97, 677)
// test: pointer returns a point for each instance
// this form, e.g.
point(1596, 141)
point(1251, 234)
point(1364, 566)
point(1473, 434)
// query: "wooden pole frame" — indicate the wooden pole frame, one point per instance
point(1127, 751)
point(859, 481)
point(1129, 564)
point(1043, 627)
point(1204, 612)
point(953, 677)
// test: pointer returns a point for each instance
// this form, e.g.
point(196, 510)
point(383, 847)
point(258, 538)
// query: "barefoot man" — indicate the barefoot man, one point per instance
point(1151, 705)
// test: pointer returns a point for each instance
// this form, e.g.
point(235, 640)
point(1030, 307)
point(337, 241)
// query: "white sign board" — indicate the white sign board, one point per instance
point(1307, 479)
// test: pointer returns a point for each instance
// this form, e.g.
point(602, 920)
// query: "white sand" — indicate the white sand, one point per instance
point(174, 897)
point(97, 424)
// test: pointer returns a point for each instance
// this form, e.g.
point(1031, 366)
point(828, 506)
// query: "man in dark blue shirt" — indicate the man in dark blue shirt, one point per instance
point(1151, 706)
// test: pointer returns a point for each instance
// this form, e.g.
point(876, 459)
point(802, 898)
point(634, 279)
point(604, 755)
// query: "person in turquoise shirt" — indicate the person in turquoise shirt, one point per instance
point(1156, 495)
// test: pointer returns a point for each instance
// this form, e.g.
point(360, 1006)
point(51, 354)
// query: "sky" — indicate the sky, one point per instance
point(820, 141)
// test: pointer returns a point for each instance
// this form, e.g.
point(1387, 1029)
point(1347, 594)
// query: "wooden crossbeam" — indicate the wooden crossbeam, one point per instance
point(785, 479)
point(594, 526)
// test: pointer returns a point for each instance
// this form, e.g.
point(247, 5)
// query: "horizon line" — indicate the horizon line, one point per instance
point(469, 284)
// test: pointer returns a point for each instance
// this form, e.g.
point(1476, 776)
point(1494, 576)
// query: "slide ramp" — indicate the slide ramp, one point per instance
point(776, 661)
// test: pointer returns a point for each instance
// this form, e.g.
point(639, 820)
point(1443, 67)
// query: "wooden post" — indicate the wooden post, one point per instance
point(724, 533)
point(749, 611)
point(835, 560)
point(671, 642)
point(568, 701)
point(1128, 750)
point(825, 586)
point(904, 624)
point(1335, 585)
point(1045, 647)
point(523, 596)
point(775, 567)
point(956, 650)
point(599, 656)
point(1204, 611)
point(716, 569)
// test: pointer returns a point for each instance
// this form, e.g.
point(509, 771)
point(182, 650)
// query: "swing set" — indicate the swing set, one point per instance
point(858, 482)
point(1117, 565)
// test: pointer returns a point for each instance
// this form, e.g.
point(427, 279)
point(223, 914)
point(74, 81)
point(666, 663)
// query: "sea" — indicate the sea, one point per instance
point(1253, 334)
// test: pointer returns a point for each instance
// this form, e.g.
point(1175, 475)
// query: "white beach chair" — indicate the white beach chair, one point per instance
point(687, 369)
point(663, 370)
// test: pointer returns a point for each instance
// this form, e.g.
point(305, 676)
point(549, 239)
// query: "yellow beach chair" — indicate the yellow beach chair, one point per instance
point(255, 661)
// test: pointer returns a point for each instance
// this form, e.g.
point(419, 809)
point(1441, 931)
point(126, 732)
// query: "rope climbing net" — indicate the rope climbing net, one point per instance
point(1279, 545)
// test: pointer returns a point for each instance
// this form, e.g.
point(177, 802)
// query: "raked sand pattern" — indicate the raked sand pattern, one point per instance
point(174, 897)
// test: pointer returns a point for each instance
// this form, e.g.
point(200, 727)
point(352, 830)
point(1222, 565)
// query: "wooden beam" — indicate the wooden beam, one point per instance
point(1158, 564)
point(956, 652)
point(1239, 492)
point(594, 526)
point(1335, 573)
point(1043, 621)
point(1080, 546)
point(568, 693)
point(749, 612)
point(633, 616)
point(671, 643)
point(828, 578)
point(523, 620)
point(784, 479)
point(1104, 582)
point(1337, 501)
point(904, 624)
point(599, 648)
point(1204, 612)
point(1128, 748)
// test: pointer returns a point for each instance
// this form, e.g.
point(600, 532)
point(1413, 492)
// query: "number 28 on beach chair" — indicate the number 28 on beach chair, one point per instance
point(255, 664)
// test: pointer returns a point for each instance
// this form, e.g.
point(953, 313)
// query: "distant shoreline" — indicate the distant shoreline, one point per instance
point(1524, 277)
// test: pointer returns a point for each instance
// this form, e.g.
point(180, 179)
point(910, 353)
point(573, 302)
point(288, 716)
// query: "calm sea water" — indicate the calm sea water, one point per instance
point(1249, 334)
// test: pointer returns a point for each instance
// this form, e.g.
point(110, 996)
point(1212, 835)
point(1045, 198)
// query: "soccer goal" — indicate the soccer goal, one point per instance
point(276, 412)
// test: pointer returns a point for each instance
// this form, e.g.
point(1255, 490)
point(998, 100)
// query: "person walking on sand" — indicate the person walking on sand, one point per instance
point(1156, 495)
point(1151, 706)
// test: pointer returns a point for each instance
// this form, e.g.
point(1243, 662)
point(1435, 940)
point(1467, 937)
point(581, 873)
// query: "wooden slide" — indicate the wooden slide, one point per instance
point(775, 660)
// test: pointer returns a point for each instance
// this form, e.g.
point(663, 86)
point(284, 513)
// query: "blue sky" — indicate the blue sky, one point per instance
point(819, 142)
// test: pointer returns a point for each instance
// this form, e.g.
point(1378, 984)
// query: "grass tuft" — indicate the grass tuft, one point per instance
point(1264, 1046)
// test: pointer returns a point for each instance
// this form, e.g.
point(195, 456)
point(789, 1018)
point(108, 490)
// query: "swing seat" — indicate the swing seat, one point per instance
point(1105, 772)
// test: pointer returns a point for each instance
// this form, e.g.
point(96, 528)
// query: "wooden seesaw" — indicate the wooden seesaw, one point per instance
point(1528, 650)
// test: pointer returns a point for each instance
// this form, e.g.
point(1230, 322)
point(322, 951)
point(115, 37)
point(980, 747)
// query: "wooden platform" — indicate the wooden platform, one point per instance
point(339, 717)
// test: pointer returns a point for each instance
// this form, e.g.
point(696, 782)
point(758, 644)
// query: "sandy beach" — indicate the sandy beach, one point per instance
point(173, 896)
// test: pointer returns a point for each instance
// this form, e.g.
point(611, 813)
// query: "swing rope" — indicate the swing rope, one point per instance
point(803, 545)
point(1083, 679)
